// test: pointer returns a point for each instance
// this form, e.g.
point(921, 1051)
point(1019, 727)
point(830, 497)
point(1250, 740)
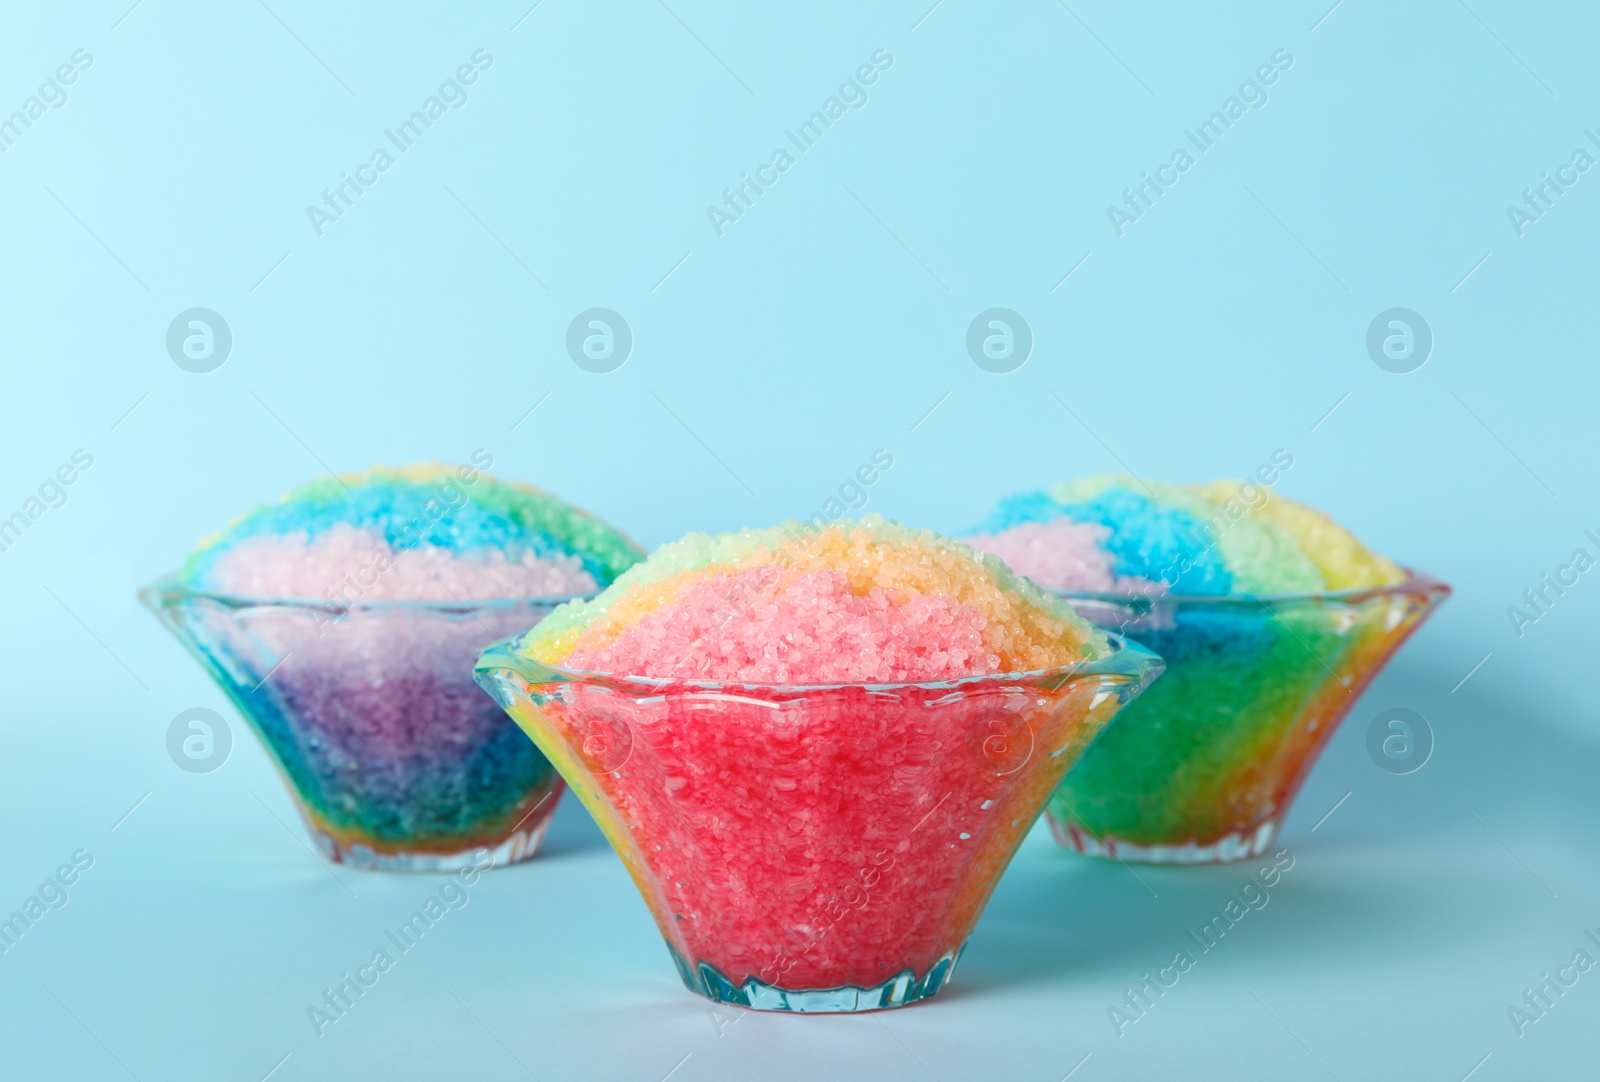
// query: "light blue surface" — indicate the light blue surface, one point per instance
point(767, 364)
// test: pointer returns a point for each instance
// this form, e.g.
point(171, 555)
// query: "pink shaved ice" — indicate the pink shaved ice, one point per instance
point(346, 565)
point(1061, 555)
point(809, 629)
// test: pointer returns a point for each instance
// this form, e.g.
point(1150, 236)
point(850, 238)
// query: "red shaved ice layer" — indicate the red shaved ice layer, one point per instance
point(823, 838)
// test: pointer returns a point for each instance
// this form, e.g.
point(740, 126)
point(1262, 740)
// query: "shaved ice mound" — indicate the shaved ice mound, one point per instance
point(850, 603)
point(425, 532)
point(1271, 618)
point(1111, 534)
point(815, 749)
point(344, 620)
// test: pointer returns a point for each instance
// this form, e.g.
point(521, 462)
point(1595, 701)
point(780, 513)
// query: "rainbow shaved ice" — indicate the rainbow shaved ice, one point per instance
point(424, 532)
point(1111, 534)
point(345, 619)
point(1271, 618)
point(816, 749)
point(867, 603)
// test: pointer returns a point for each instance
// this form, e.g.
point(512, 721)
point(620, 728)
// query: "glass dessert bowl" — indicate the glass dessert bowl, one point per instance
point(394, 757)
point(1205, 766)
point(815, 848)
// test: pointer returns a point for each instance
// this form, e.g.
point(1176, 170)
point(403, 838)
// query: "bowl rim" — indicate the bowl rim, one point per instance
point(1132, 661)
point(170, 590)
point(1416, 584)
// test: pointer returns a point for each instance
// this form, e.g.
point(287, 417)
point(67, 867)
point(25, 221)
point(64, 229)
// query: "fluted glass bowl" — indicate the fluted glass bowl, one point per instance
point(394, 757)
point(1204, 768)
point(821, 848)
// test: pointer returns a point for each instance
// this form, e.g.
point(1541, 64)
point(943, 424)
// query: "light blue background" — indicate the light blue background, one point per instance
point(770, 363)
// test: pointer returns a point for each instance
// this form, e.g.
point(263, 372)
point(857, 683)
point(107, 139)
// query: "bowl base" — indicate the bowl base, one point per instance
point(1241, 845)
point(521, 845)
point(902, 989)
